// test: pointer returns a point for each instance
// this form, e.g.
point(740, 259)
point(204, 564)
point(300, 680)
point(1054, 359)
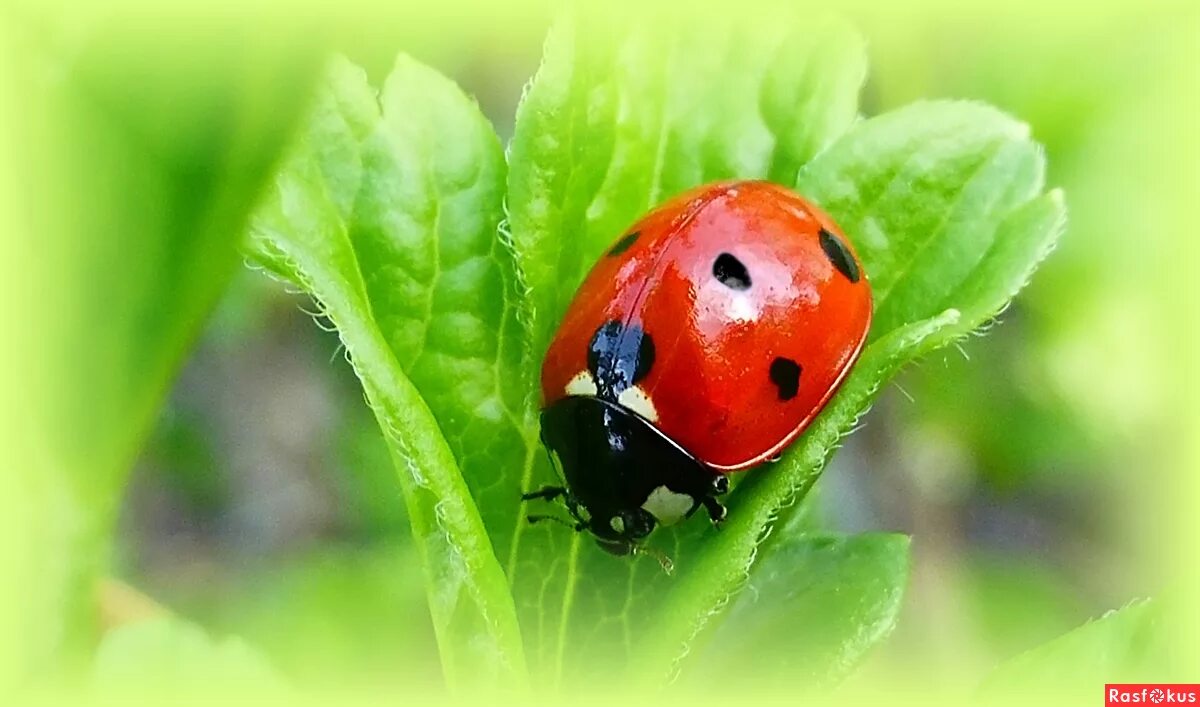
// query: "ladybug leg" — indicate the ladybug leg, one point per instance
point(547, 492)
point(577, 526)
point(716, 511)
point(573, 508)
point(550, 493)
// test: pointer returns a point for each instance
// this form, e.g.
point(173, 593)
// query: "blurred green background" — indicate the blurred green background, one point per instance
point(1028, 465)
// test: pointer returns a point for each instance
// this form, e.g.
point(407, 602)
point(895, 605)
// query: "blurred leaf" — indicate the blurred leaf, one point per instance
point(385, 211)
point(810, 611)
point(172, 655)
point(620, 116)
point(1014, 602)
point(997, 409)
point(140, 151)
point(1122, 646)
point(343, 616)
point(179, 132)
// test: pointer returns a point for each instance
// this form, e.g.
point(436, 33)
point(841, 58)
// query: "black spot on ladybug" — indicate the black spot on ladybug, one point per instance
point(731, 272)
point(623, 245)
point(785, 374)
point(839, 255)
point(619, 357)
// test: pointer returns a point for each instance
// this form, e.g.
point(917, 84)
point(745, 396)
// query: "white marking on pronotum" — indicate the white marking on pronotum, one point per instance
point(667, 506)
point(742, 309)
point(635, 399)
point(582, 384)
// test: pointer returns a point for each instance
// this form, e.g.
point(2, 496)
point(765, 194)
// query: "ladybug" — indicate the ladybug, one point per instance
point(703, 342)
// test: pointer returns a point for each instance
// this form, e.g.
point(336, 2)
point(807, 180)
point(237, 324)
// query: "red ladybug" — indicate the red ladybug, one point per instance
point(703, 342)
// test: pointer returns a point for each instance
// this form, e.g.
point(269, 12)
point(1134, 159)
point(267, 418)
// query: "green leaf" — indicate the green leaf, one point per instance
point(620, 116)
point(810, 611)
point(169, 654)
point(138, 152)
point(922, 192)
point(1122, 646)
point(386, 212)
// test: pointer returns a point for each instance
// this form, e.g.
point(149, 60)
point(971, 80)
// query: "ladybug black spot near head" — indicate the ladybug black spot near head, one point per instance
point(785, 374)
point(601, 342)
point(619, 356)
point(731, 272)
point(839, 255)
point(623, 245)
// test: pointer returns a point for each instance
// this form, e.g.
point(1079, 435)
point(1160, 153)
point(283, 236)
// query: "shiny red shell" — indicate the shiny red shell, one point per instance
point(727, 339)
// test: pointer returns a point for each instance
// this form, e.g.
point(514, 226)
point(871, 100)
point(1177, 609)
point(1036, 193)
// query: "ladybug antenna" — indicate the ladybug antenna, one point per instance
point(667, 566)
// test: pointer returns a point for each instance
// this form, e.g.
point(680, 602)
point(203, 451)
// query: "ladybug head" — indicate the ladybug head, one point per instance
point(622, 477)
point(621, 533)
